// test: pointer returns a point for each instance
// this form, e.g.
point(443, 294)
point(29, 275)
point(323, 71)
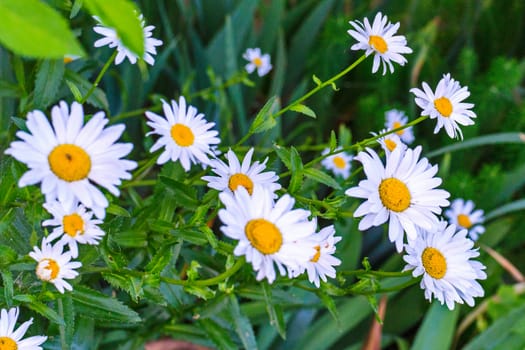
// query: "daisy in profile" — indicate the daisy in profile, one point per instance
point(401, 192)
point(390, 142)
point(445, 105)
point(184, 133)
point(110, 38)
point(55, 266)
point(257, 61)
point(69, 158)
point(70, 58)
point(443, 257)
point(267, 232)
point(396, 119)
point(74, 225)
point(11, 339)
point(379, 39)
point(234, 174)
point(323, 262)
point(463, 215)
point(340, 163)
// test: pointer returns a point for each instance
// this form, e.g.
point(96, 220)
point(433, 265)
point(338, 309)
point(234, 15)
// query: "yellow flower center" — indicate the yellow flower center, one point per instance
point(7, 343)
point(239, 179)
point(257, 61)
point(339, 162)
point(47, 269)
point(394, 194)
point(434, 263)
point(464, 221)
point(317, 254)
point(391, 145)
point(398, 125)
point(66, 61)
point(69, 162)
point(443, 106)
point(378, 43)
point(182, 135)
point(264, 236)
point(73, 224)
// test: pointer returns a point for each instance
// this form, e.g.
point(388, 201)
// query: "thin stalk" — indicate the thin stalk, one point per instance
point(99, 77)
point(62, 328)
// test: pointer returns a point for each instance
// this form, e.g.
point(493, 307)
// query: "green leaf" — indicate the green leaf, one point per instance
point(7, 255)
point(48, 79)
point(438, 328)
point(506, 209)
point(32, 28)
point(130, 284)
point(322, 177)
point(7, 278)
point(121, 15)
point(32, 302)
point(78, 85)
point(220, 336)
point(284, 155)
point(275, 313)
point(117, 210)
point(68, 310)
point(160, 260)
point(329, 302)
point(130, 238)
point(242, 324)
point(98, 306)
point(183, 194)
point(296, 170)
point(304, 110)
point(264, 119)
point(8, 89)
point(201, 292)
point(333, 141)
point(316, 80)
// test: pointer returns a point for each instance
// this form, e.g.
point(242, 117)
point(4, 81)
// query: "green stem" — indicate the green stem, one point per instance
point(210, 281)
point(363, 272)
point(99, 77)
point(62, 328)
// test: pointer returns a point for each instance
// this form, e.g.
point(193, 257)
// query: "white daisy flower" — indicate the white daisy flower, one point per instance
point(402, 192)
point(69, 158)
point(396, 119)
point(74, 225)
point(463, 215)
point(380, 40)
point(235, 174)
point(339, 164)
point(54, 265)
point(184, 133)
point(445, 105)
point(443, 256)
point(112, 40)
point(268, 232)
point(11, 339)
point(323, 262)
point(390, 142)
point(257, 61)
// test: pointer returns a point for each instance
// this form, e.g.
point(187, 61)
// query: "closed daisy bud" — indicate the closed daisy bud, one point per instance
point(380, 40)
point(446, 106)
point(443, 257)
point(401, 192)
point(11, 339)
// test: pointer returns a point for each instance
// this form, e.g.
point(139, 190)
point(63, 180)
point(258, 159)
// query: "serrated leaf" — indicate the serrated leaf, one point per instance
point(7, 281)
point(275, 313)
point(183, 194)
point(201, 292)
point(7, 255)
point(93, 304)
point(296, 170)
point(8, 89)
point(122, 16)
point(159, 260)
point(304, 110)
point(32, 302)
point(316, 80)
point(322, 177)
point(284, 155)
point(45, 33)
point(264, 120)
point(130, 284)
point(242, 324)
point(68, 310)
point(220, 336)
point(329, 302)
point(130, 238)
point(78, 84)
point(48, 79)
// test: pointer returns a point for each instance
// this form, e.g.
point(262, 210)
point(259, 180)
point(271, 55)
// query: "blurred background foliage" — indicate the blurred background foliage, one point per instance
point(480, 42)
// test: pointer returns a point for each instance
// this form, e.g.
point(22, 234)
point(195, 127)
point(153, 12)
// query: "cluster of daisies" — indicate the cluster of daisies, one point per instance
point(403, 190)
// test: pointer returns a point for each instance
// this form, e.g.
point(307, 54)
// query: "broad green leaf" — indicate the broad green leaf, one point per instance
point(7, 255)
point(48, 80)
point(160, 260)
point(242, 324)
point(264, 119)
point(329, 302)
point(130, 238)
point(117, 210)
point(183, 194)
point(437, 330)
point(220, 336)
point(275, 313)
point(8, 89)
point(121, 15)
point(506, 209)
point(68, 310)
point(32, 302)
point(297, 171)
point(333, 141)
point(322, 177)
point(304, 110)
point(284, 155)
point(93, 304)
point(121, 280)
point(201, 292)
point(7, 279)
point(32, 28)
